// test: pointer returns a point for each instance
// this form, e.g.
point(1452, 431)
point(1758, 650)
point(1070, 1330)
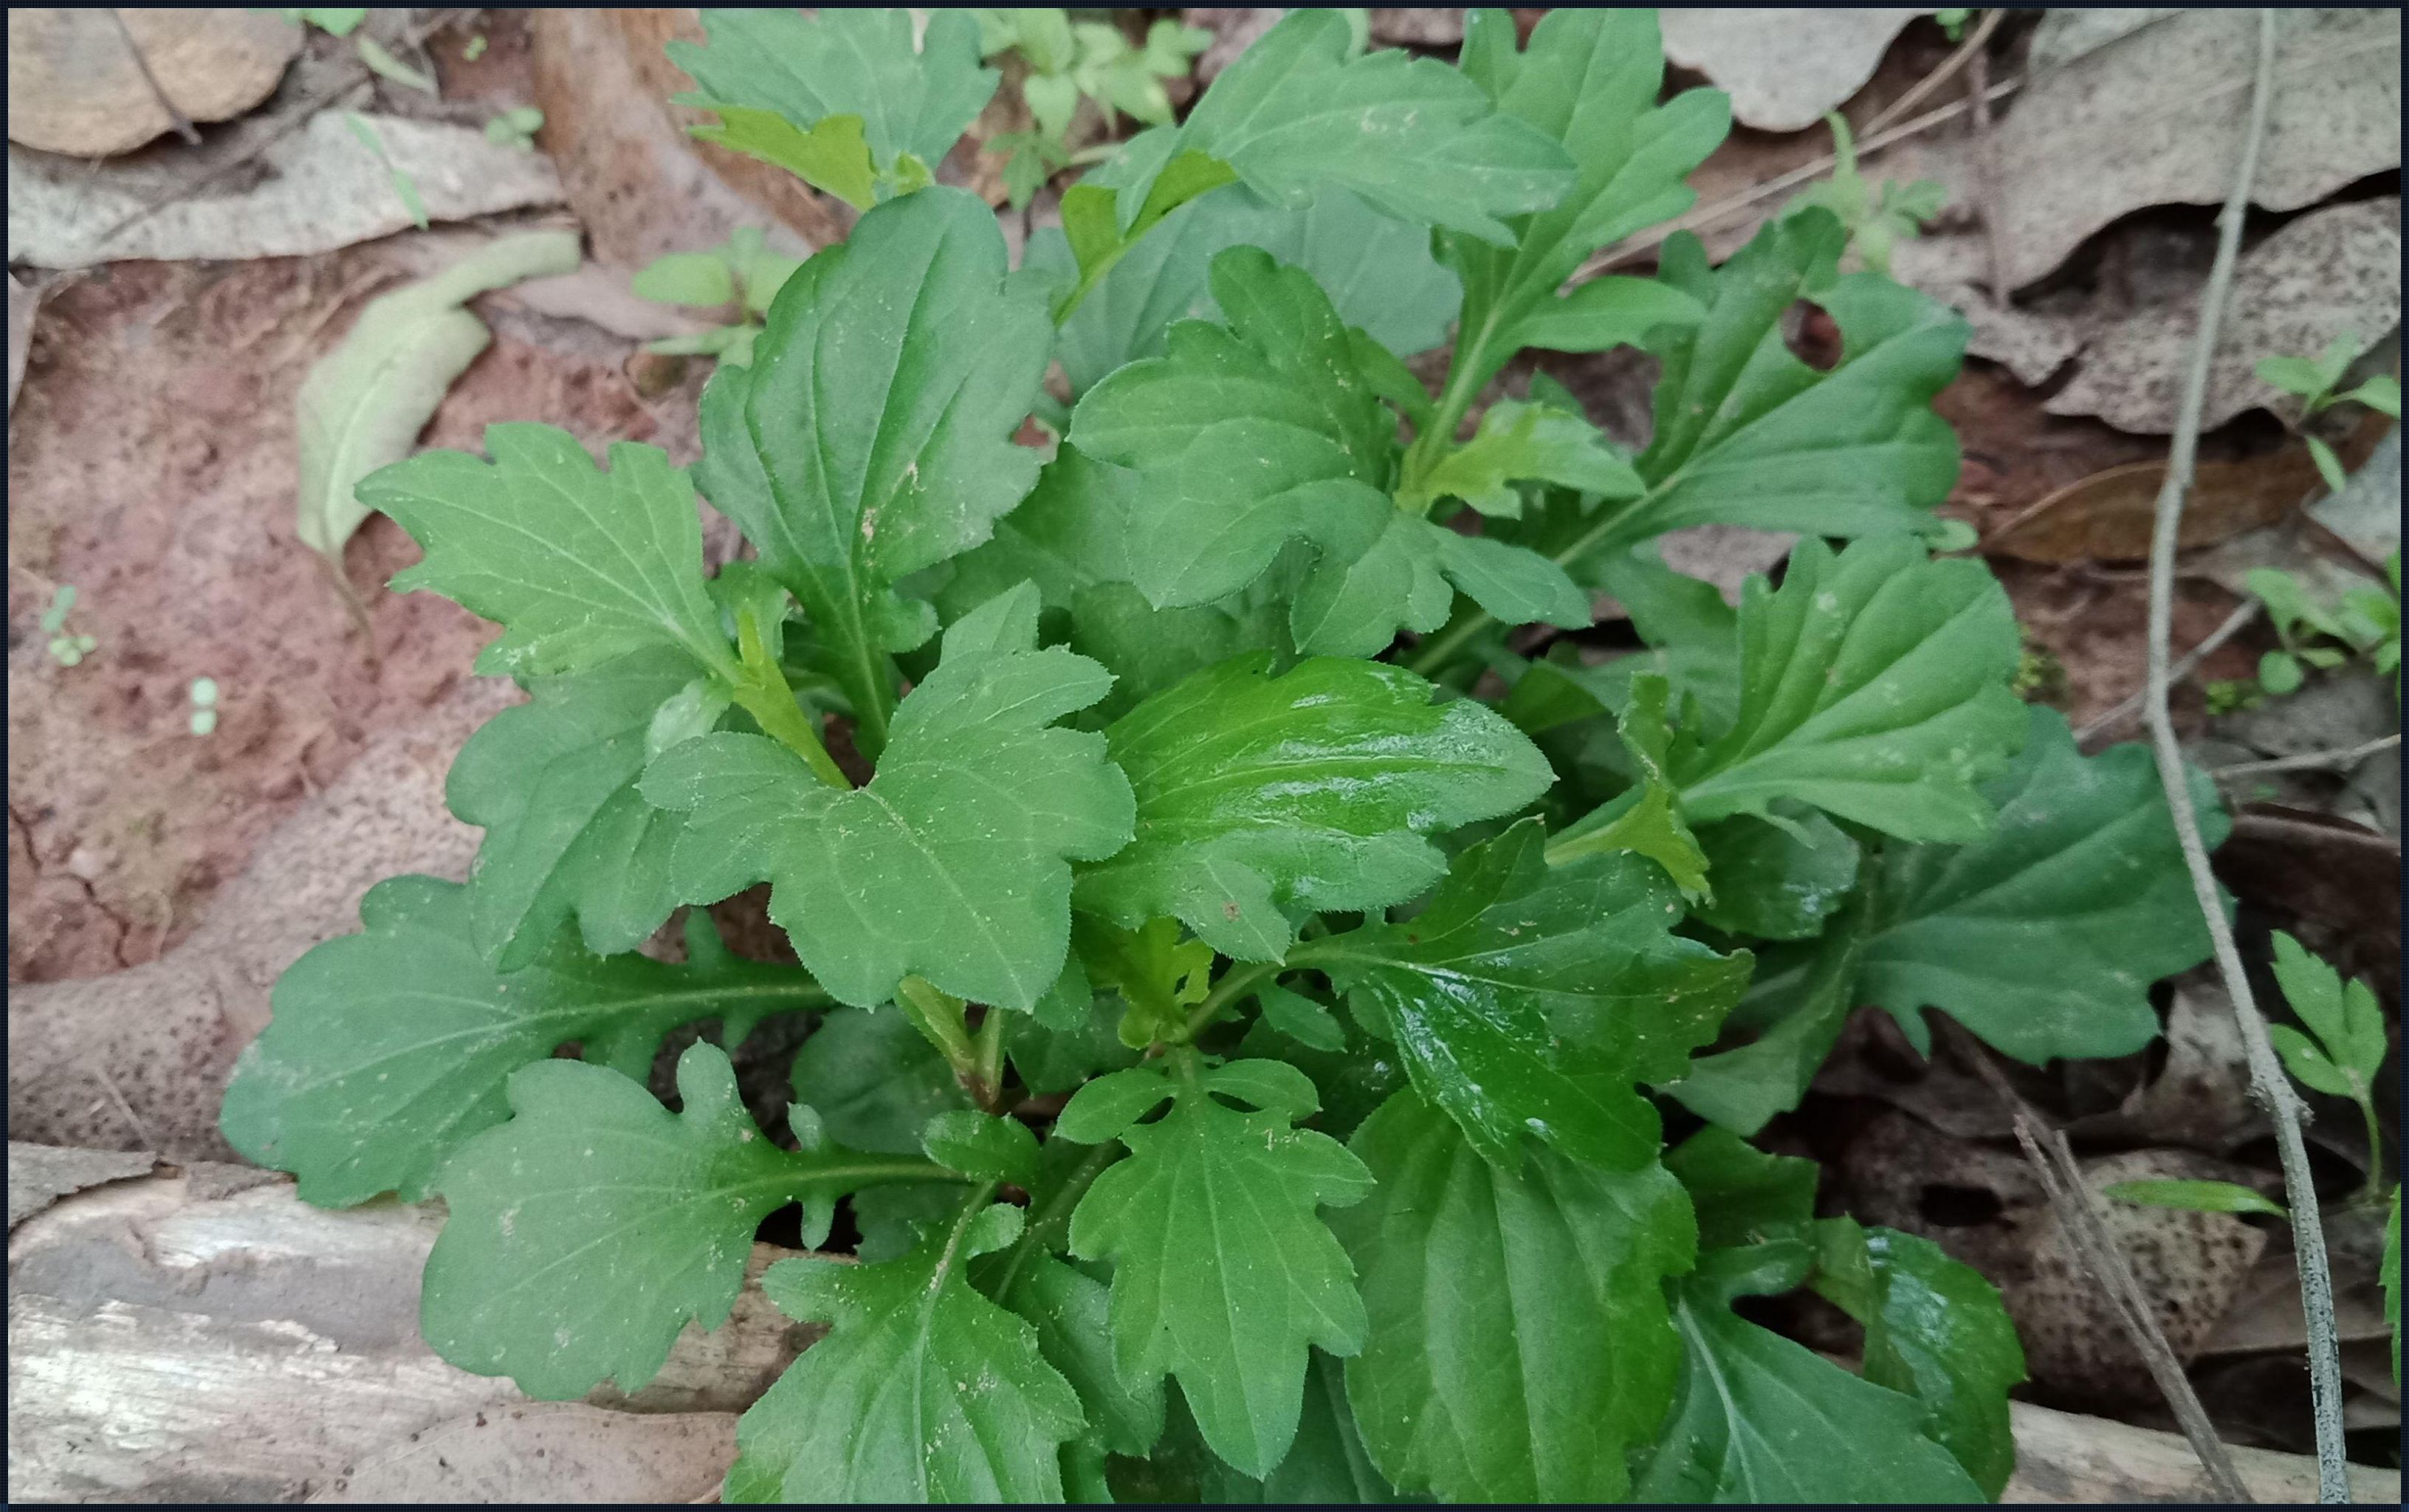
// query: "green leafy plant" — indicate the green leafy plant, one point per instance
point(2365, 621)
point(2313, 380)
point(2195, 1196)
point(66, 647)
point(2349, 1043)
point(1878, 215)
point(204, 695)
point(744, 275)
point(515, 127)
point(1245, 1045)
point(1071, 62)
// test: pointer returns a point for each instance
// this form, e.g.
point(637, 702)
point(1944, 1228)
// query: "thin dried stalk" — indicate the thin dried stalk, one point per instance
point(2268, 1083)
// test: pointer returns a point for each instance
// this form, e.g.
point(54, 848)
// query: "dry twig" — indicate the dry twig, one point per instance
point(2243, 617)
point(2267, 1080)
point(2078, 1216)
point(2309, 761)
point(1969, 52)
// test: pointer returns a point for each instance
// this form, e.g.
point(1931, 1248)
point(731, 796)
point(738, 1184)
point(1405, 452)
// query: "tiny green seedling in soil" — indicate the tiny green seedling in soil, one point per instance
point(2366, 622)
point(204, 706)
point(67, 647)
point(474, 49)
point(1878, 215)
point(1252, 947)
point(2345, 1045)
point(404, 186)
point(1069, 63)
point(742, 275)
point(515, 127)
point(2312, 380)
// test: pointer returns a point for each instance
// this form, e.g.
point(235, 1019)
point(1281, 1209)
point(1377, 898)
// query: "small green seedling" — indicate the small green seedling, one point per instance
point(1878, 215)
point(403, 185)
point(515, 128)
point(1952, 21)
point(1069, 62)
point(379, 59)
point(743, 273)
point(336, 22)
point(474, 49)
point(2194, 1196)
point(2367, 622)
point(2349, 1045)
point(66, 647)
point(204, 705)
point(2312, 380)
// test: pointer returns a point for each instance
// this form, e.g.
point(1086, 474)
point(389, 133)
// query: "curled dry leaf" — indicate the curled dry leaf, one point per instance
point(1783, 68)
point(76, 85)
point(2107, 516)
point(364, 403)
point(2156, 118)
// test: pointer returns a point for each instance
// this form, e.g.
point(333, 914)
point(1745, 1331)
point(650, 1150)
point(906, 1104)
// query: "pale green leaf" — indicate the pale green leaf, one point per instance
point(363, 405)
point(702, 280)
point(923, 1389)
point(1315, 789)
point(915, 100)
point(584, 1233)
point(389, 1049)
point(1520, 1344)
point(979, 1144)
point(2345, 1017)
point(952, 863)
point(1521, 442)
point(1296, 113)
point(1222, 1272)
point(1528, 999)
point(831, 156)
point(2193, 1196)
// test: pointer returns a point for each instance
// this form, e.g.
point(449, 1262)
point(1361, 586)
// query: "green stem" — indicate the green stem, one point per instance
point(1436, 652)
point(2371, 1190)
point(1468, 371)
point(759, 688)
point(938, 1017)
point(981, 1195)
point(1234, 983)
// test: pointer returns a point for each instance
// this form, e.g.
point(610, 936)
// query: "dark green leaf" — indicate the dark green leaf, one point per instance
point(390, 1047)
point(1743, 1196)
point(1070, 1311)
point(553, 784)
point(978, 1145)
point(1301, 1019)
point(923, 1391)
point(953, 862)
point(872, 1078)
point(1313, 790)
point(1777, 881)
point(1935, 1331)
point(1758, 1419)
point(1222, 1273)
point(2044, 939)
point(2344, 1017)
point(1520, 1344)
point(587, 1230)
point(1525, 443)
point(1529, 999)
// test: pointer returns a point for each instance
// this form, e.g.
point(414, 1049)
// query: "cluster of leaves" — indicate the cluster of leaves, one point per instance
point(2313, 381)
point(744, 275)
point(1349, 1006)
point(1879, 215)
point(1073, 60)
point(2365, 621)
point(66, 647)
